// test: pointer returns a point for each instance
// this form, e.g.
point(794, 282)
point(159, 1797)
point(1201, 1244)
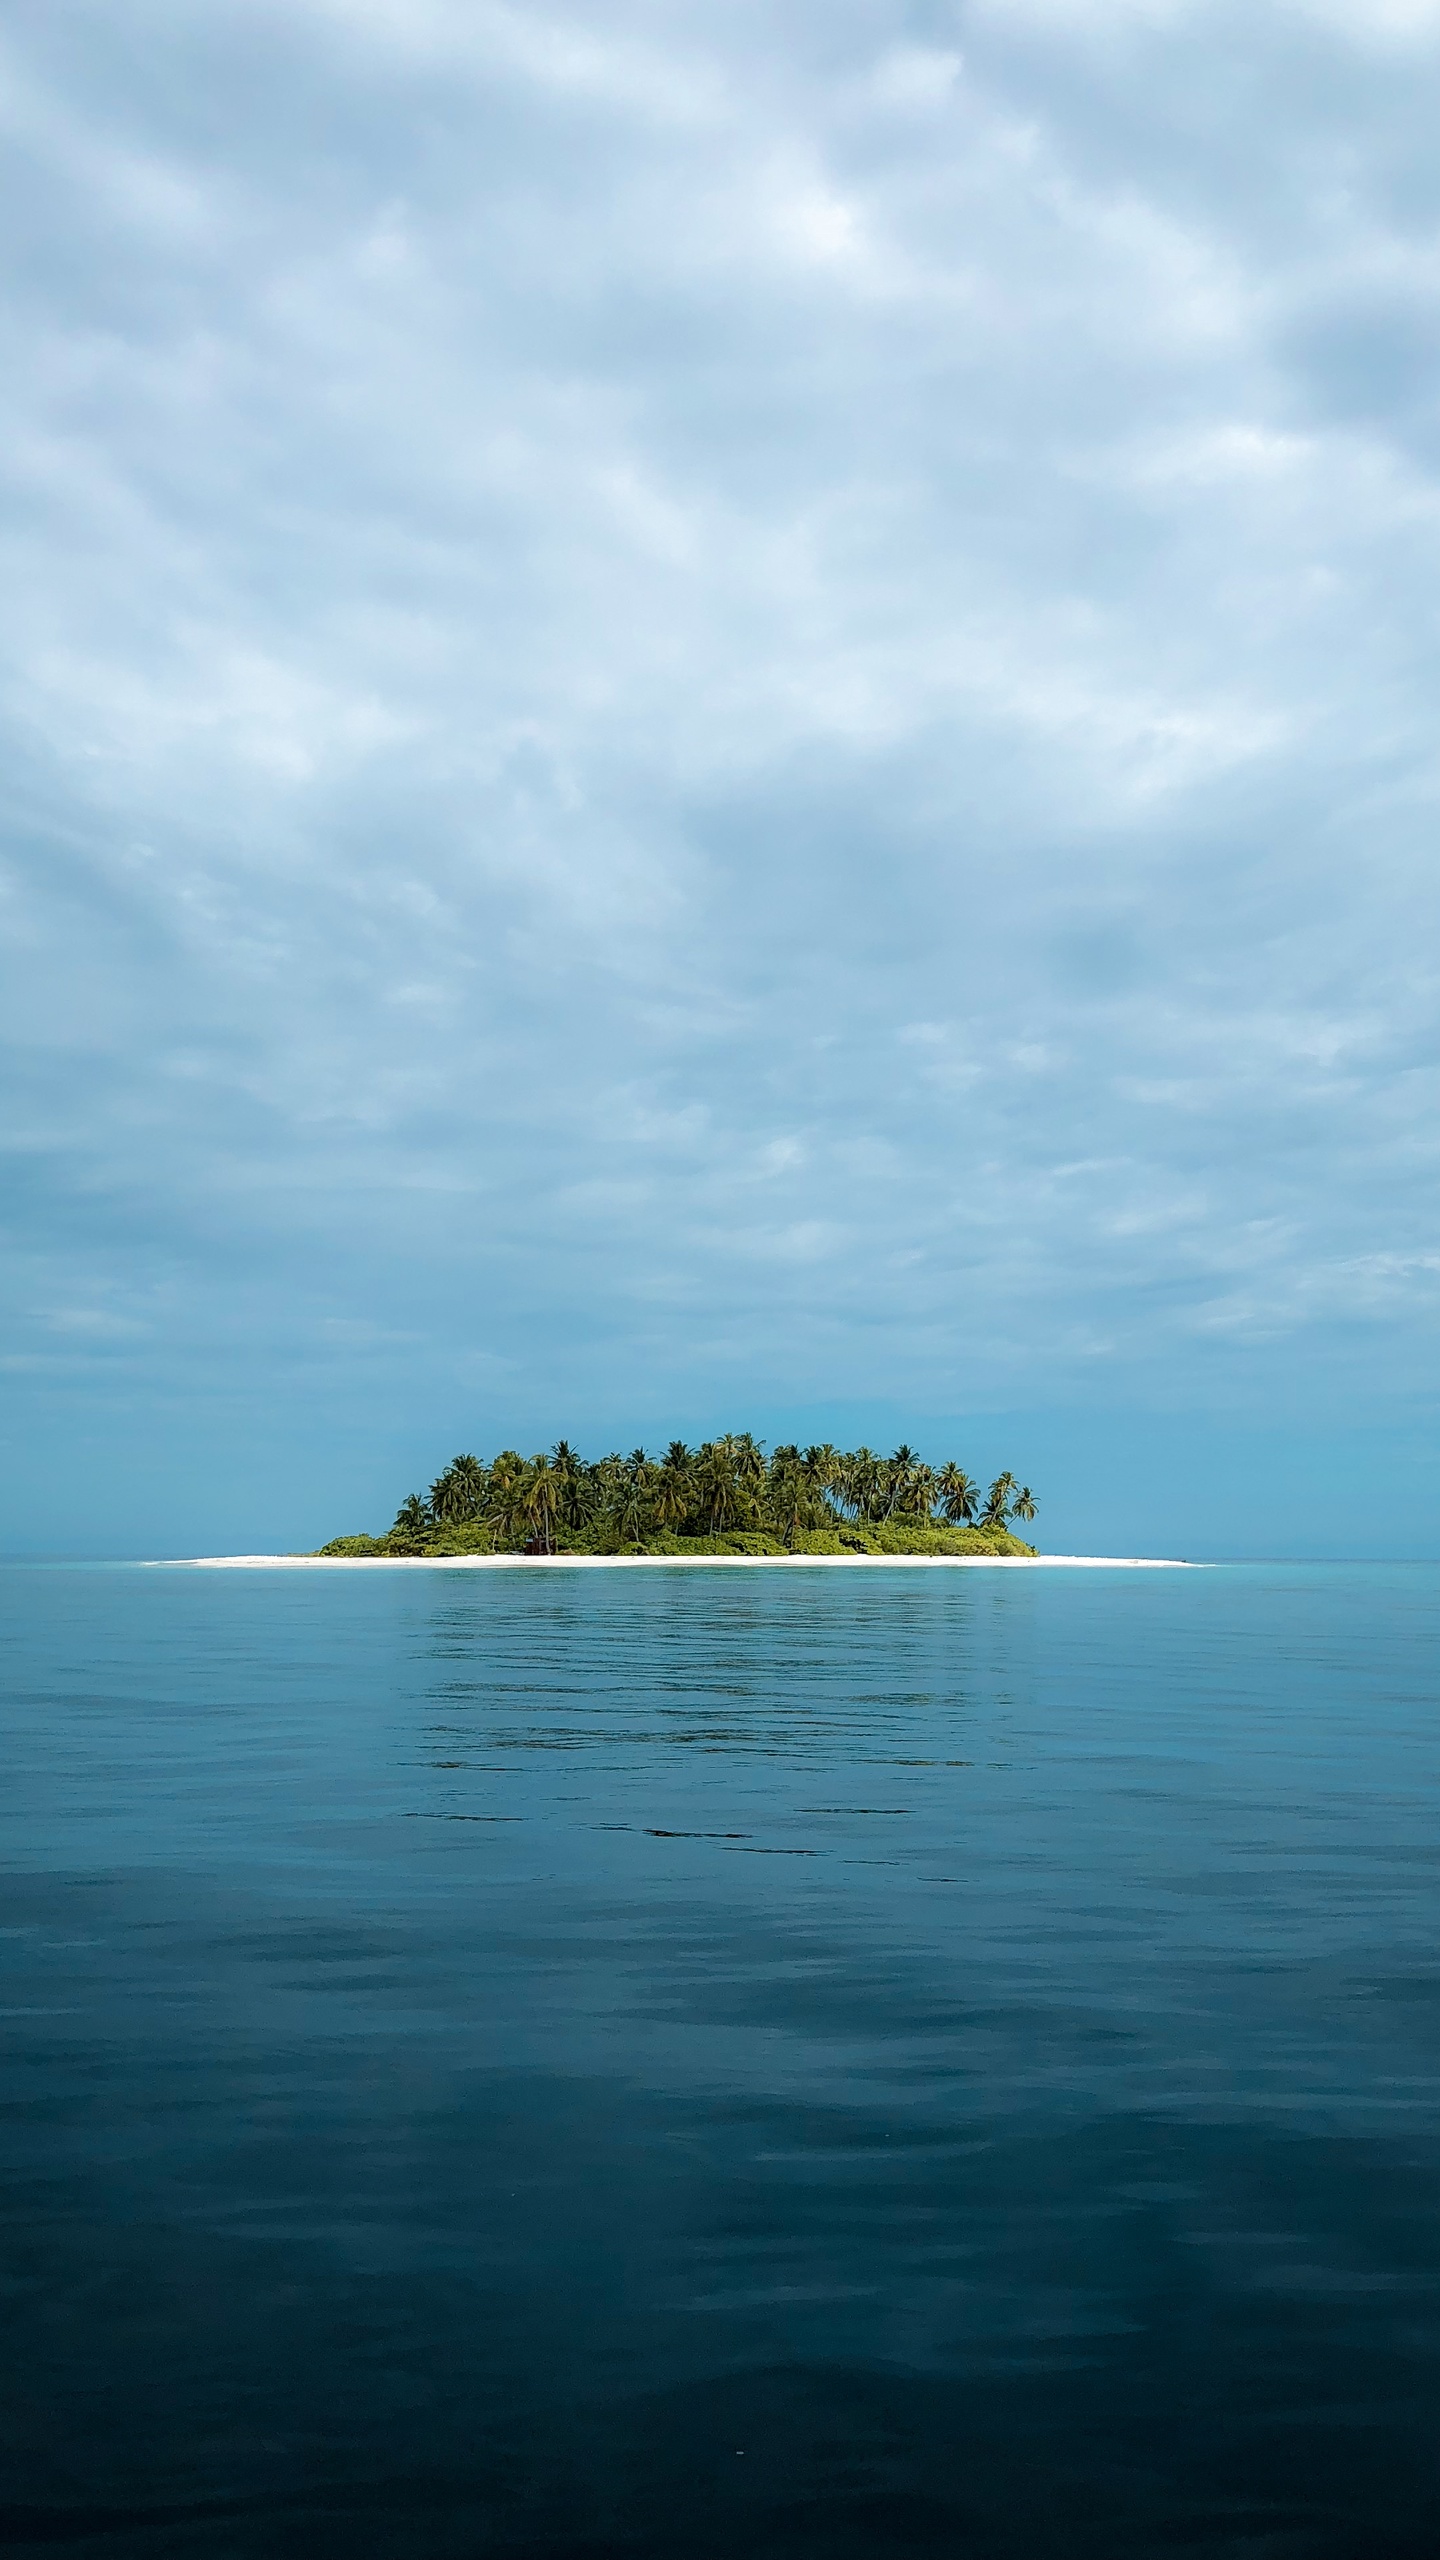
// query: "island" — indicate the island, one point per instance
point(726, 1498)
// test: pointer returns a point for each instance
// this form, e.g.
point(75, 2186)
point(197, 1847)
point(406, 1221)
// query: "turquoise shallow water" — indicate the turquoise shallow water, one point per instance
point(684, 2063)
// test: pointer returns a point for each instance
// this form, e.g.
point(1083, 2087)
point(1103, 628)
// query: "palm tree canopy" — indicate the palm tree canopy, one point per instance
point(959, 1493)
point(724, 1487)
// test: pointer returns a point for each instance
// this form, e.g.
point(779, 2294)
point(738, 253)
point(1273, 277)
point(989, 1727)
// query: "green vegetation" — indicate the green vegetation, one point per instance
point(727, 1498)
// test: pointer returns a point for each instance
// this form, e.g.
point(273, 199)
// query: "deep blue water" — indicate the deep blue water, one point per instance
point(734, 2063)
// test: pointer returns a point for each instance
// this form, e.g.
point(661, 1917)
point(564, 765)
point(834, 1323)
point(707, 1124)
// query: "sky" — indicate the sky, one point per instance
point(721, 719)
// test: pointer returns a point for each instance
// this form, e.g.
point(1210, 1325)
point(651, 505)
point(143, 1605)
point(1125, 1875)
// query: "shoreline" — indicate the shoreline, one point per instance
point(685, 1564)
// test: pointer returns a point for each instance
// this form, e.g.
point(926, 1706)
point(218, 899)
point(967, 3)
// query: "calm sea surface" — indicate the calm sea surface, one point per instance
point(737, 2063)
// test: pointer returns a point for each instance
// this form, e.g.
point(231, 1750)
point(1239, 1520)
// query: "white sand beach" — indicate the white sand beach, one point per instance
point(683, 1564)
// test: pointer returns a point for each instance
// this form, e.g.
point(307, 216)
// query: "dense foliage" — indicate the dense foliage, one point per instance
point(726, 1497)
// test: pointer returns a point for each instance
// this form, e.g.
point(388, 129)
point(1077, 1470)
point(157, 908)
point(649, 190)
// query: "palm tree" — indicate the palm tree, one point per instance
point(506, 1512)
point(1024, 1505)
point(791, 1498)
point(747, 1457)
point(413, 1518)
point(748, 1472)
point(674, 1490)
point(821, 1464)
point(860, 1476)
point(541, 1496)
point(506, 1471)
point(997, 1501)
point(635, 1499)
point(570, 1477)
point(715, 1483)
point(897, 1478)
point(959, 1493)
point(459, 1493)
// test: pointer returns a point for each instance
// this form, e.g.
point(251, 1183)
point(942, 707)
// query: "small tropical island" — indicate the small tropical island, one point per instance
point(726, 1498)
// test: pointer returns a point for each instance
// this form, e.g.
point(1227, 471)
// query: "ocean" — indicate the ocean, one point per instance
point(722, 2063)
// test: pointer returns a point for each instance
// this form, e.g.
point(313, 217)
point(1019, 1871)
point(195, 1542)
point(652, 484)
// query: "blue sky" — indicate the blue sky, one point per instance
point(717, 718)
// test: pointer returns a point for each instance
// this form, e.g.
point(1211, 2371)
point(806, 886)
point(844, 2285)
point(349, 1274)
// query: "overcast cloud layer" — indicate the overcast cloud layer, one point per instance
point(718, 713)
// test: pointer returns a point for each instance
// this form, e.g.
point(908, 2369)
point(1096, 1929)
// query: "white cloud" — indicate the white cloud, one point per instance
point(1381, 23)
